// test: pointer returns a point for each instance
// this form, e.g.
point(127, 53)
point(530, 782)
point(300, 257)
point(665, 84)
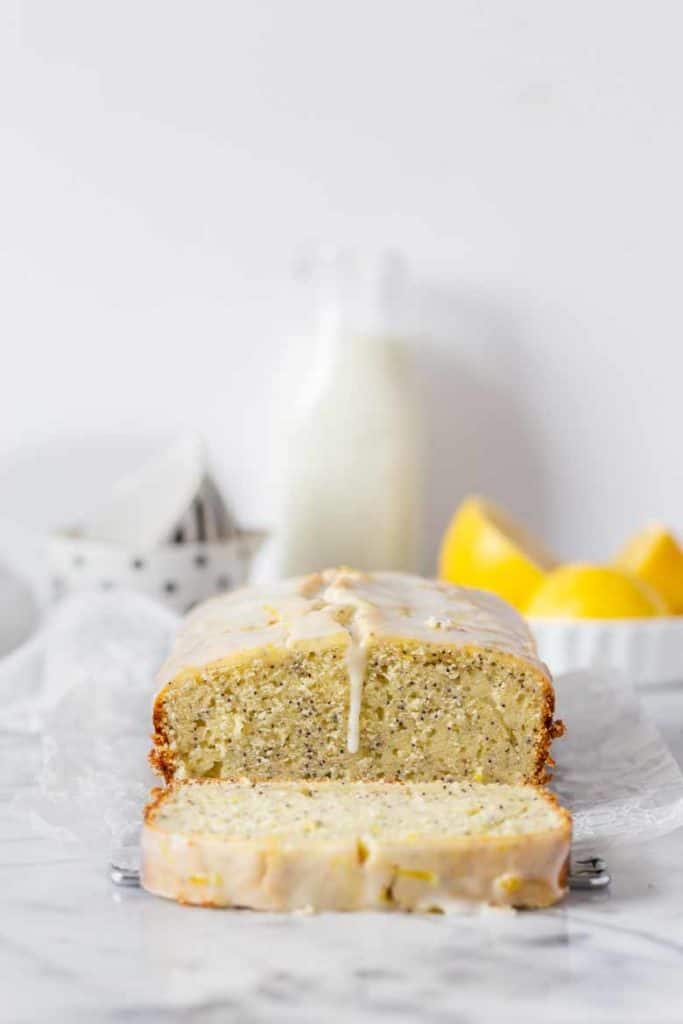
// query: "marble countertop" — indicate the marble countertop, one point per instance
point(74, 948)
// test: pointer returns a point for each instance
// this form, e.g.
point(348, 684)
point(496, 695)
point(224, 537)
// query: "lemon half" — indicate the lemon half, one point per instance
point(594, 592)
point(654, 555)
point(484, 548)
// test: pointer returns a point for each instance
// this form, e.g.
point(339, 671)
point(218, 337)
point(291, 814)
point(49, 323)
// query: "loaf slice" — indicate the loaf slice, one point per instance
point(347, 675)
point(355, 846)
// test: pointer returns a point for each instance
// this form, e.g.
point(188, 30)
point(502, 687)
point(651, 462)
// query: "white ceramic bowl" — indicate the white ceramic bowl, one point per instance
point(179, 575)
point(648, 651)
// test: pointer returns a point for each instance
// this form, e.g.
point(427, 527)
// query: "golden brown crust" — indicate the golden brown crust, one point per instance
point(157, 795)
point(553, 799)
point(551, 730)
point(161, 756)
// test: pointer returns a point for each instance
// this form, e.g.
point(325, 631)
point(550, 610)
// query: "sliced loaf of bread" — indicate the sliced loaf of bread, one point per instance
point(354, 846)
point(355, 676)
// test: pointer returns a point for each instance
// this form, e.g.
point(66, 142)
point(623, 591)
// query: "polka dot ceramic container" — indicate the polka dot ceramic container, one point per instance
point(180, 575)
point(165, 531)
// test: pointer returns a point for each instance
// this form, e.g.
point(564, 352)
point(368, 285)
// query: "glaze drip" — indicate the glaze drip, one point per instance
point(356, 661)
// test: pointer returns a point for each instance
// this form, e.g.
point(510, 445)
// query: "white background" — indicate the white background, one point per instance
point(162, 163)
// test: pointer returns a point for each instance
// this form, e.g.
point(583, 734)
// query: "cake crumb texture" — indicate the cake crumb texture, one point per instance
point(349, 676)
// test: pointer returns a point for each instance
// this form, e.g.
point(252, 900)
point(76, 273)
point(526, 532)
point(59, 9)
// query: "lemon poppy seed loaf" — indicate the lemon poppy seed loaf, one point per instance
point(346, 675)
point(354, 846)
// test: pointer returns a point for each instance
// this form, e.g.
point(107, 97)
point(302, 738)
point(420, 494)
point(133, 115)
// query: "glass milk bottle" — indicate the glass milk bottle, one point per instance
point(350, 474)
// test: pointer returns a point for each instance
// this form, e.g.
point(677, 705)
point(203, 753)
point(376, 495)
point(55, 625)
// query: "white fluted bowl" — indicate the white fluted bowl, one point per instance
point(648, 651)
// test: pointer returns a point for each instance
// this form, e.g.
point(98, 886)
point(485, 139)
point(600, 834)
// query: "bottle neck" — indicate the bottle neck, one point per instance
point(357, 318)
point(343, 347)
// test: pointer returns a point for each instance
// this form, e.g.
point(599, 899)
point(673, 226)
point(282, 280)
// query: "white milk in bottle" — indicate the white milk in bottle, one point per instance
point(350, 481)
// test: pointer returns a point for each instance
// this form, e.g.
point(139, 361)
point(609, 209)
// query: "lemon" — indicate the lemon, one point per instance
point(594, 592)
point(483, 548)
point(654, 555)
